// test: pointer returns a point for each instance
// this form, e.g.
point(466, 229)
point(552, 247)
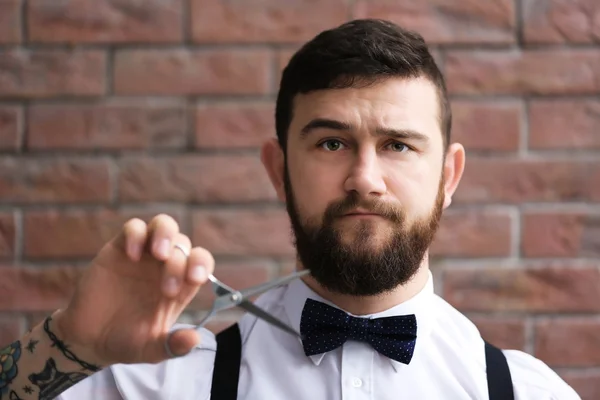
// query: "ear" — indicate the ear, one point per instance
point(454, 165)
point(274, 161)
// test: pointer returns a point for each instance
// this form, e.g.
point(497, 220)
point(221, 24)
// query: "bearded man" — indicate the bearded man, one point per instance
point(364, 161)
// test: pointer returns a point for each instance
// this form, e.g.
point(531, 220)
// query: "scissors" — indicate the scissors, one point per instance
point(229, 298)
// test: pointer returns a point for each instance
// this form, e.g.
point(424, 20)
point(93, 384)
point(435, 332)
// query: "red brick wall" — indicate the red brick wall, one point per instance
point(111, 109)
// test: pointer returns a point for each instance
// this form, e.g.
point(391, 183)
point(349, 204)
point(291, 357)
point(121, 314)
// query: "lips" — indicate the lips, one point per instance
point(361, 213)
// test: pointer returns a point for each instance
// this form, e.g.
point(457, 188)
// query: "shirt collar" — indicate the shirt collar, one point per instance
point(297, 292)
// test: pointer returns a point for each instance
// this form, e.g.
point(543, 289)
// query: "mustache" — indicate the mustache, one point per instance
point(354, 201)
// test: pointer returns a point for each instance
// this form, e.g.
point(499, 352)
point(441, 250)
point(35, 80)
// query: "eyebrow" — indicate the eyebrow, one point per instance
point(326, 123)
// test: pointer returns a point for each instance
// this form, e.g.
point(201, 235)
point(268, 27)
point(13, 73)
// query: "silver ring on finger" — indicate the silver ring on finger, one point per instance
point(183, 249)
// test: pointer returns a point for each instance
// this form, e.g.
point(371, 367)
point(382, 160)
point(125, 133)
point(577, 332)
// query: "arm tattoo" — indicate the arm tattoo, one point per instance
point(56, 342)
point(14, 396)
point(9, 357)
point(31, 345)
point(53, 382)
point(40, 365)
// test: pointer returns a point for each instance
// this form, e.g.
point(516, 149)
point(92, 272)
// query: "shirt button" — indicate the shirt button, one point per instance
point(356, 382)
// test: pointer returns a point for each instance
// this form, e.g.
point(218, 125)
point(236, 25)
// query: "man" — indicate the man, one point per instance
point(365, 165)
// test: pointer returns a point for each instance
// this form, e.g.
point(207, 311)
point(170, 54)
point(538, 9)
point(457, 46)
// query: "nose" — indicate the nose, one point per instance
point(365, 176)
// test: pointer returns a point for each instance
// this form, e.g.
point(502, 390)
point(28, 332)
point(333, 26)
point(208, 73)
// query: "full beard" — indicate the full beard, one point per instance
point(362, 268)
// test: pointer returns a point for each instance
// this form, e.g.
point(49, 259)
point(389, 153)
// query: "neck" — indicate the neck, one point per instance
point(365, 305)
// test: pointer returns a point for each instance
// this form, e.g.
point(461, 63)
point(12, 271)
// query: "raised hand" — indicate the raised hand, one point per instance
point(132, 293)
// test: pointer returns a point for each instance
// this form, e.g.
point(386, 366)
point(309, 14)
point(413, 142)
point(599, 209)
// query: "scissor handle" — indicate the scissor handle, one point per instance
point(226, 297)
point(203, 321)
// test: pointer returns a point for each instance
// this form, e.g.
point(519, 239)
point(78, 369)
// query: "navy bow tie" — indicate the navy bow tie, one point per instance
point(324, 328)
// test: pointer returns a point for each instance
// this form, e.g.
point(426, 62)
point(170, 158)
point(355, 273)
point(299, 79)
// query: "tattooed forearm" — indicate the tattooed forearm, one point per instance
point(40, 366)
point(9, 366)
point(56, 342)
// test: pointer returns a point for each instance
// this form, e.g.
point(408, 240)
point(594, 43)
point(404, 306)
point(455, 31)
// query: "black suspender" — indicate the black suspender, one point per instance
point(229, 351)
point(226, 372)
point(498, 374)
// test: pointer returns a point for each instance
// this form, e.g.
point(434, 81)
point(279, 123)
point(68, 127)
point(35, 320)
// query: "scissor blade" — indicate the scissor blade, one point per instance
point(253, 291)
point(260, 313)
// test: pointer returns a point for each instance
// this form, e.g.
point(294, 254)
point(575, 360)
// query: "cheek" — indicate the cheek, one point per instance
point(314, 189)
point(415, 190)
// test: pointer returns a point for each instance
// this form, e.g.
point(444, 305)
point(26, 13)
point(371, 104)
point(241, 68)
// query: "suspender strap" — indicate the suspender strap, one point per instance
point(500, 385)
point(226, 372)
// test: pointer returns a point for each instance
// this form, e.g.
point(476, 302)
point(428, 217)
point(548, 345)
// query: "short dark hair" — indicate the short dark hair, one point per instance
point(358, 52)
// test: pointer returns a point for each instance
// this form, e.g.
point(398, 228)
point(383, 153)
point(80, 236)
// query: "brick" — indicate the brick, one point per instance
point(10, 21)
point(36, 289)
point(189, 72)
point(535, 180)
point(270, 21)
point(10, 127)
point(234, 125)
point(568, 234)
point(46, 73)
point(487, 126)
point(238, 275)
point(568, 342)
point(560, 21)
point(503, 332)
point(585, 382)
point(243, 232)
point(564, 124)
point(112, 126)
point(195, 178)
point(287, 267)
point(473, 233)
point(519, 72)
point(555, 288)
point(11, 329)
point(51, 180)
point(79, 233)
point(447, 21)
point(8, 234)
point(105, 21)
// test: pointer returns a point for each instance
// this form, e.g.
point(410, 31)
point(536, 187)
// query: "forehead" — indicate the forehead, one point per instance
point(395, 103)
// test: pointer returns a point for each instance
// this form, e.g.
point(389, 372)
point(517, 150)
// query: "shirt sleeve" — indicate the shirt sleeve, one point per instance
point(534, 380)
point(182, 378)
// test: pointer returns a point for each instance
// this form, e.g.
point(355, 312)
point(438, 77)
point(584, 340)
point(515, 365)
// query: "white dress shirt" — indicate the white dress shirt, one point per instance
point(448, 363)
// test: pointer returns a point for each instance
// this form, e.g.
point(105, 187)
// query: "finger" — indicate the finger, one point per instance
point(182, 341)
point(136, 232)
point(131, 238)
point(175, 267)
point(200, 264)
point(162, 229)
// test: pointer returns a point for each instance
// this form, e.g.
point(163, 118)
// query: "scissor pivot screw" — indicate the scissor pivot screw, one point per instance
point(235, 297)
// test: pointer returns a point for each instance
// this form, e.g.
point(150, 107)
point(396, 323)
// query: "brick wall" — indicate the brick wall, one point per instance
point(110, 110)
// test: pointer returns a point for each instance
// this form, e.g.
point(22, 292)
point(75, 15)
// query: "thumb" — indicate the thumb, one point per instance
point(180, 342)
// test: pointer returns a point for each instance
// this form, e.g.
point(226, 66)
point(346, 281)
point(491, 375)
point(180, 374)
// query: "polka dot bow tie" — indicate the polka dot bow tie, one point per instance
point(325, 328)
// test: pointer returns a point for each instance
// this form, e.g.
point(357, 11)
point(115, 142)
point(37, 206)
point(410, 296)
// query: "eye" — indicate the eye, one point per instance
point(398, 147)
point(331, 145)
